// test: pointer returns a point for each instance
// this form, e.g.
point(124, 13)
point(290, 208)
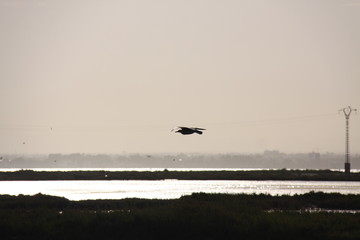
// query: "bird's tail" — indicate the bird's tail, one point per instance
point(198, 132)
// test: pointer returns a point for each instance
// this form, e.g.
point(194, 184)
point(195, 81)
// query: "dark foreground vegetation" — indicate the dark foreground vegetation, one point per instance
point(199, 216)
point(306, 175)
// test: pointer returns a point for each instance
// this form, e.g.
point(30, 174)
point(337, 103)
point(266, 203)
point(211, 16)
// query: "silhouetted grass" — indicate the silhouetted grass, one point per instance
point(199, 216)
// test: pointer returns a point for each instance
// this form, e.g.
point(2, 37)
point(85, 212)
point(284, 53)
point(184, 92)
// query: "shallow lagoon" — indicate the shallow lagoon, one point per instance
point(169, 189)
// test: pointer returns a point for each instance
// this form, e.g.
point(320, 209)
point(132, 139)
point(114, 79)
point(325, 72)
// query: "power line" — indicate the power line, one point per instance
point(143, 126)
point(274, 121)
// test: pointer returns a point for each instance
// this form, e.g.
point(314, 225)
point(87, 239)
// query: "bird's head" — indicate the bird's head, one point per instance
point(176, 129)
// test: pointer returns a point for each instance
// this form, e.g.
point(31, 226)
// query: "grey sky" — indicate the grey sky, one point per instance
point(112, 76)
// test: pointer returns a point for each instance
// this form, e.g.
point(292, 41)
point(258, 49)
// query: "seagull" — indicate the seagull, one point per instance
point(187, 130)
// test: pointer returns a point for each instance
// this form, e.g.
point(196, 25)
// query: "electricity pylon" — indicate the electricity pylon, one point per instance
point(347, 112)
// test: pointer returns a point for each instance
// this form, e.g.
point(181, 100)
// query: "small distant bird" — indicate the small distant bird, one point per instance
point(187, 130)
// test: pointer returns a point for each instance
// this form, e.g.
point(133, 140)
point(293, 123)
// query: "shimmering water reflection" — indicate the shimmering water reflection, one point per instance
point(168, 189)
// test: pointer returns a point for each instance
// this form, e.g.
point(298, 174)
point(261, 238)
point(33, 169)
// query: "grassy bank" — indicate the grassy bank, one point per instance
point(306, 175)
point(199, 216)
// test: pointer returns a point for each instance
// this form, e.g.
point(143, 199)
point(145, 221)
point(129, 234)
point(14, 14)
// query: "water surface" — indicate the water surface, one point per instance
point(169, 189)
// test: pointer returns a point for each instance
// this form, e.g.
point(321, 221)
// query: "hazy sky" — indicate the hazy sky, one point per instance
point(116, 76)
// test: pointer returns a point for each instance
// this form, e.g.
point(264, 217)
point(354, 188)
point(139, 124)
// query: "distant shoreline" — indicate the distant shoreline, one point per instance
point(291, 175)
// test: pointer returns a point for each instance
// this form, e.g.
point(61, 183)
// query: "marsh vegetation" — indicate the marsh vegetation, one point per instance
point(306, 175)
point(199, 216)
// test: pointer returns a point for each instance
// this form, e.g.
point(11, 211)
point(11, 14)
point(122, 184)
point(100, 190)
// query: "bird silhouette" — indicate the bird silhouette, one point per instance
point(188, 130)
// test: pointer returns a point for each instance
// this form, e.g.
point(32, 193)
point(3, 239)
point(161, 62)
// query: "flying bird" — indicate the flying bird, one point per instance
point(187, 130)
